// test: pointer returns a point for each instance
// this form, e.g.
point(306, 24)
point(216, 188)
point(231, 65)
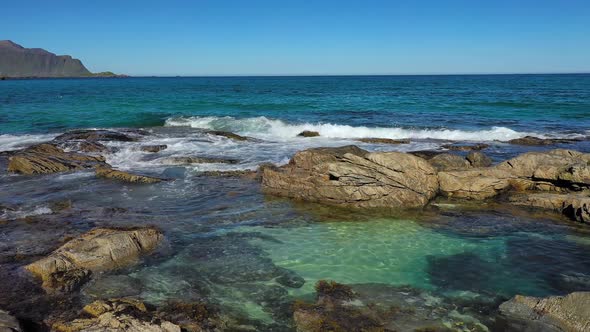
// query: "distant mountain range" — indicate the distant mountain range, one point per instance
point(18, 62)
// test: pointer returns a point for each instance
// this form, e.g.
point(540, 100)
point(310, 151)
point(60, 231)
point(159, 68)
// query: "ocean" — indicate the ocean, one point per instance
point(225, 239)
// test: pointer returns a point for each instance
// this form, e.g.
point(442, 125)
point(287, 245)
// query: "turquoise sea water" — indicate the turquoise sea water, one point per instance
point(252, 255)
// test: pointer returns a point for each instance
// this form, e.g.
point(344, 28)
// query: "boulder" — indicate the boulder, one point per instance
point(449, 162)
point(228, 134)
point(48, 158)
point(117, 315)
point(95, 135)
point(189, 160)
point(554, 313)
point(101, 249)
point(376, 140)
point(475, 184)
point(153, 148)
point(308, 133)
point(531, 140)
point(466, 147)
point(109, 173)
point(478, 159)
point(352, 177)
point(574, 206)
point(8, 323)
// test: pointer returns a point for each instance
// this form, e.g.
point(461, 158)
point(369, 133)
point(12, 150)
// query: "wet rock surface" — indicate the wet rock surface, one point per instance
point(98, 135)
point(350, 176)
point(8, 323)
point(465, 147)
point(574, 206)
point(554, 313)
point(229, 135)
point(531, 140)
point(153, 148)
point(101, 249)
point(48, 158)
point(308, 133)
point(189, 160)
point(376, 140)
point(113, 174)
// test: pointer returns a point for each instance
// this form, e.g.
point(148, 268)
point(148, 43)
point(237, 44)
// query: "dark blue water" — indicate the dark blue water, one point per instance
point(551, 104)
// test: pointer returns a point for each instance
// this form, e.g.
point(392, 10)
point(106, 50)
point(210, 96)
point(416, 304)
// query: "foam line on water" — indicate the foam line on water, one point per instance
point(262, 127)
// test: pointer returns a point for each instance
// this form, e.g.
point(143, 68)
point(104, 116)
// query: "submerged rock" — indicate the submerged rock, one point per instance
point(48, 158)
point(8, 323)
point(554, 313)
point(532, 140)
point(153, 148)
point(228, 134)
point(350, 176)
point(101, 249)
point(117, 315)
point(376, 140)
point(189, 160)
point(109, 173)
point(95, 135)
point(308, 133)
point(466, 147)
point(574, 206)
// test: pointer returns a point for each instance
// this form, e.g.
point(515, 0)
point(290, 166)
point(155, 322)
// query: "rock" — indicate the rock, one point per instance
point(153, 148)
point(466, 147)
point(478, 159)
point(531, 140)
point(8, 323)
point(229, 135)
point(571, 168)
point(95, 135)
point(308, 133)
point(426, 154)
point(109, 173)
point(554, 313)
point(349, 176)
point(376, 140)
point(100, 249)
point(556, 170)
point(197, 160)
point(47, 158)
point(574, 206)
point(85, 146)
point(474, 184)
point(117, 315)
point(449, 162)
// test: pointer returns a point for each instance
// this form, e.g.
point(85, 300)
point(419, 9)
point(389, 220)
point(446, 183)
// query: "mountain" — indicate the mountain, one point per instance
point(17, 61)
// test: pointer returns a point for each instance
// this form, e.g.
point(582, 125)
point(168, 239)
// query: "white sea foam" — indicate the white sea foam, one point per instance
point(13, 142)
point(262, 127)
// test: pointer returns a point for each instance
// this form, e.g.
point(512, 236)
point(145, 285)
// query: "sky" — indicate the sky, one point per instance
point(285, 37)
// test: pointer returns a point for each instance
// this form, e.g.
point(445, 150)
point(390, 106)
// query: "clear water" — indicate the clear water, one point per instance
point(228, 244)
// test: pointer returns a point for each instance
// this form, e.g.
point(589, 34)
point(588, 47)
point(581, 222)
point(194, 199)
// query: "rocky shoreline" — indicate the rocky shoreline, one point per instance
point(556, 180)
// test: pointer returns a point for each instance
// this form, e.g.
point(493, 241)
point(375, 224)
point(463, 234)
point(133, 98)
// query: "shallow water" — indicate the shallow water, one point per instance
point(252, 255)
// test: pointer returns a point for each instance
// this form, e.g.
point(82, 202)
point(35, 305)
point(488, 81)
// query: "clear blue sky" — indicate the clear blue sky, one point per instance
point(270, 37)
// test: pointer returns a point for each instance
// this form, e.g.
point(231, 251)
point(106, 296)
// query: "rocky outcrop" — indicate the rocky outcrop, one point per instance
point(375, 140)
point(574, 206)
point(101, 249)
point(113, 174)
point(91, 135)
point(229, 135)
point(556, 313)
point(555, 170)
point(478, 159)
point(48, 158)
point(349, 176)
point(8, 323)
point(449, 162)
point(531, 140)
point(465, 147)
point(188, 160)
point(153, 148)
point(308, 133)
point(117, 315)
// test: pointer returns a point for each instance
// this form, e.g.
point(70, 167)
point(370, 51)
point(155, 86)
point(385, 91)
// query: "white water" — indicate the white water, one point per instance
point(14, 142)
point(262, 127)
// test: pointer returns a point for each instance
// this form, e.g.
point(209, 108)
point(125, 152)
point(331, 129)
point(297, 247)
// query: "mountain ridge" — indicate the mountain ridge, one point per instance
point(17, 61)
